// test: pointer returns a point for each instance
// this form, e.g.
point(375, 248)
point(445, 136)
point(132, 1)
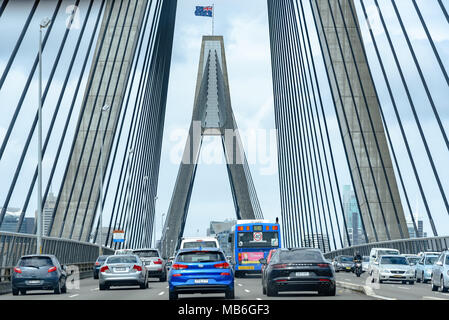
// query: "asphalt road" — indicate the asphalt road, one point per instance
point(245, 289)
point(394, 290)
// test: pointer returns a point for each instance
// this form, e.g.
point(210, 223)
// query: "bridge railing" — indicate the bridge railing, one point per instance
point(405, 246)
point(68, 252)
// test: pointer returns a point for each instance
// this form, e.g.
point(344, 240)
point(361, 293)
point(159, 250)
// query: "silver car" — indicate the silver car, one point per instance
point(154, 264)
point(393, 268)
point(424, 267)
point(123, 270)
point(440, 276)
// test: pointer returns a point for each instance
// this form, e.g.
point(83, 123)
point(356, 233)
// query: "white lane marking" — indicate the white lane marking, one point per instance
point(247, 291)
point(239, 284)
point(95, 289)
point(258, 299)
point(74, 295)
point(433, 298)
point(403, 288)
point(167, 287)
point(161, 293)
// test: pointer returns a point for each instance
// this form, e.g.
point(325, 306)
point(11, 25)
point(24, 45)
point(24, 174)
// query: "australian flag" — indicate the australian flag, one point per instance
point(204, 11)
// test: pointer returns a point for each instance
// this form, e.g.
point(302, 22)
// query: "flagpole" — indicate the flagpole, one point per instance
point(213, 18)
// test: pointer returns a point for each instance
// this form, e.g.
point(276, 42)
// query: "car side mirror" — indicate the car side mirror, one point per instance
point(263, 261)
point(376, 263)
point(374, 257)
point(439, 263)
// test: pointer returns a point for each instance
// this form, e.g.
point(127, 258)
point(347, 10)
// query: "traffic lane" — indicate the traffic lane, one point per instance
point(245, 289)
point(89, 290)
point(395, 290)
point(250, 288)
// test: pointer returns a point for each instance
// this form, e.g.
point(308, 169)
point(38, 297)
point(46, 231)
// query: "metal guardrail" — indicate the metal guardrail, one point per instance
point(68, 252)
point(405, 246)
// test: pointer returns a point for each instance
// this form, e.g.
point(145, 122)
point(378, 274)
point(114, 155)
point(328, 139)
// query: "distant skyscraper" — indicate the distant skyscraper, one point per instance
point(47, 212)
point(419, 226)
point(352, 217)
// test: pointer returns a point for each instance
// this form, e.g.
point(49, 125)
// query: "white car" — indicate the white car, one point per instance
point(123, 252)
point(205, 242)
point(365, 263)
point(393, 268)
point(424, 267)
point(376, 253)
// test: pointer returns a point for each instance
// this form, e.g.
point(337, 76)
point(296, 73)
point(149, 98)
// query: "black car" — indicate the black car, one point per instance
point(98, 264)
point(39, 272)
point(298, 269)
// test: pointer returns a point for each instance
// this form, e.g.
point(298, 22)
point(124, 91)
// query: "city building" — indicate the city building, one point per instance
point(316, 241)
point(11, 220)
point(419, 226)
point(222, 230)
point(352, 217)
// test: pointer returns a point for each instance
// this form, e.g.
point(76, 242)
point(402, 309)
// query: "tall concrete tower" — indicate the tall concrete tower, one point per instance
point(212, 116)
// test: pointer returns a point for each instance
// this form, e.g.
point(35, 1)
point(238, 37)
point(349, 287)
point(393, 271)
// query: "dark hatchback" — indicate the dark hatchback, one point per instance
point(38, 272)
point(298, 269)
point(98, 264)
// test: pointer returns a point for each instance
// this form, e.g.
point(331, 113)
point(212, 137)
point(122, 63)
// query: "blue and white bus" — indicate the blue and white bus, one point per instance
point(251, 241)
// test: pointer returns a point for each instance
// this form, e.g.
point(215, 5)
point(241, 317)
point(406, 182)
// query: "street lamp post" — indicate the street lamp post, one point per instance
point(104, 109)
point(154, 223)
point(43, 25)
point(145, 209)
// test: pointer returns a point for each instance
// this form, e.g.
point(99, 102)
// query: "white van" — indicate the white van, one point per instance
point(376, 253)
point(205, 242)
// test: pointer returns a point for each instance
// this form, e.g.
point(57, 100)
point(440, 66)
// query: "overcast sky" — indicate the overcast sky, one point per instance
point(245, 30)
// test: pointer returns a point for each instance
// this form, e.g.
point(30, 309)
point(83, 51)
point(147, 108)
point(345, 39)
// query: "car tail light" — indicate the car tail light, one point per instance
point(224, 265)
point(52, 269)
point(225, 274)
point(281, 280)
point(279, 266)
point(177, 266)
point(275, 227)
point(177, 275)
point(17, 270)
point(324, 280)
point(159, 261)
point(138, 268)
point(97, 263)
point(240, 257)
point(323, 265)
point(104, 269)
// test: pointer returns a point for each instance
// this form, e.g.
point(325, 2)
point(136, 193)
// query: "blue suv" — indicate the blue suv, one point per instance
point(201, 270)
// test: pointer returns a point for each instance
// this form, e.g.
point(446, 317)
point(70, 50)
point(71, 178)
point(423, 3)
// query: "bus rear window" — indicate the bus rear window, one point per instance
point(197, 244)
point(258, 240)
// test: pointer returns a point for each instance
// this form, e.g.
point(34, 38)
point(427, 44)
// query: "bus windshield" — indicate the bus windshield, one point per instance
point(258, 240)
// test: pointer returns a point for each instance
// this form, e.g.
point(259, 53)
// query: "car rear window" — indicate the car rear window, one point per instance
point(121, 259)
point(147, 253)
point(35, 262)
point(301, 255)
point(197, 244)
point(200, 256)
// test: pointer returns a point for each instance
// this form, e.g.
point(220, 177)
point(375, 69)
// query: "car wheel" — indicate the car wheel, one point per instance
point(57, 289)
point(411, 282)
point(328, 292)
point(230, 294)
point(434, 287)
point(423, 279)
point(264, 290)
point(23, 292)
point(442, 287)
point(64, 288)
point(96, 276)
point(102, 287)
point(163, 279)
point(15, 291)
point(271, 290)
point(143, 285)
point(416, 277)
point(172, 295)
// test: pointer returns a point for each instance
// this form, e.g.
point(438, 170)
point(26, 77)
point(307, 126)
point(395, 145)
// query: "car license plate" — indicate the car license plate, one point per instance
point(397, 276)
point(302, 274)
point(120, 269)
point(34, 282)
point(201, 281)
point(246, 268)
point(348, 268)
